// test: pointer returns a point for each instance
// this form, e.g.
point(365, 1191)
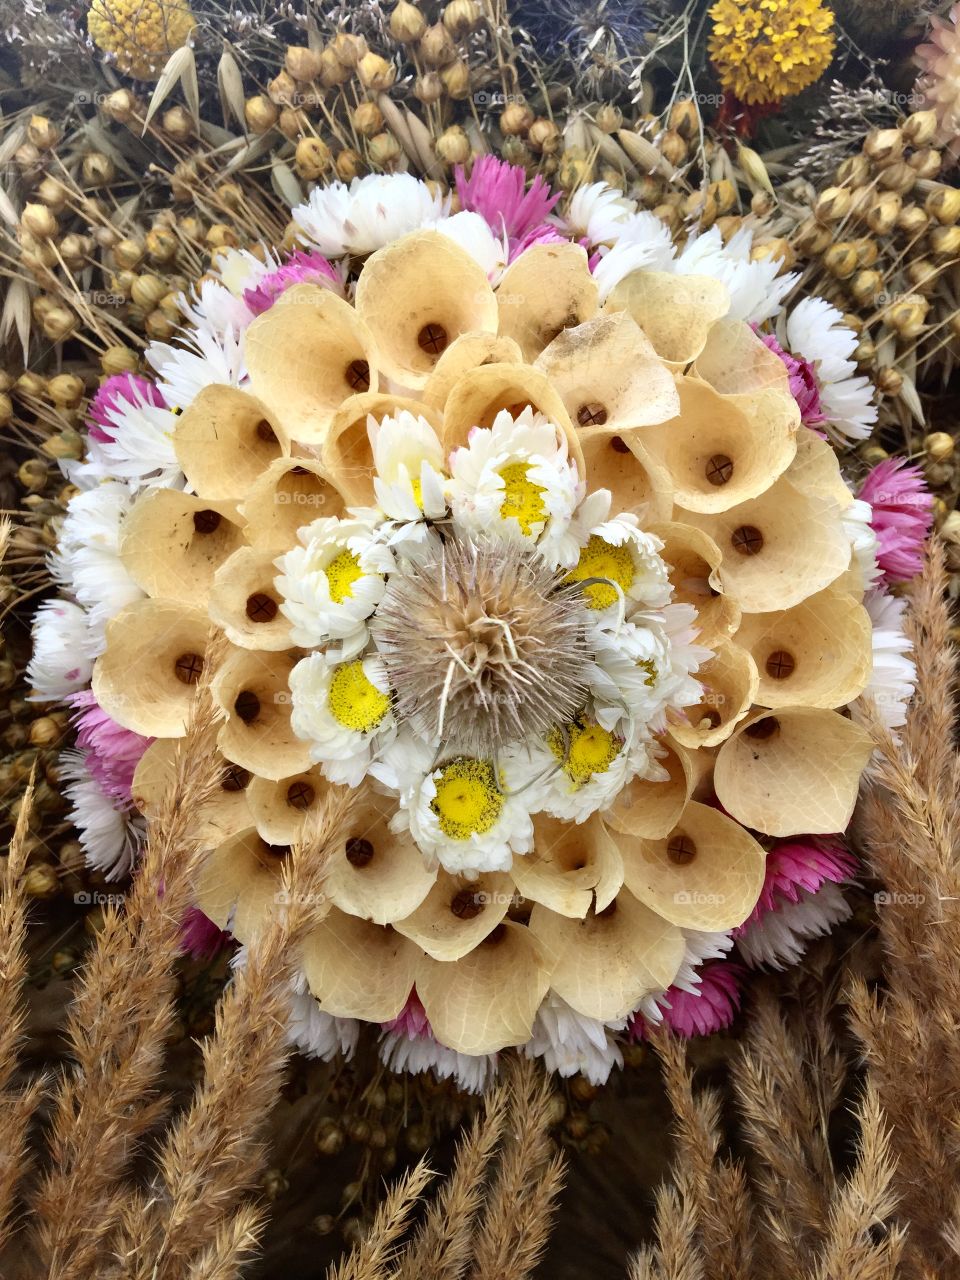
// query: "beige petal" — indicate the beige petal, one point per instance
point(226, 814)
point(305, 356)
point(245, 603)
point(607, 963)
point(281, 810)
point(486, 1001)
point(357, 969)
point(651, 809)
point(547, 289)
point(467, 352)
point(735, 360)
point(570, 867)
point(779, 548)
point(224, 440)
point(347, 454)
point(817, 654)
point(173, 543)
point(239, 885)
point(705, 874)
point(376, 873)
point(136, 680)
point(419, 294)
point(816, 470)
point(612, 462)
point(254, 690)
point(722, 450)
point(730, 684)
point(792, 771)
point(609, 376)
point(458, 913)
point(290, 493)
point(694, 559)
point(675, 312)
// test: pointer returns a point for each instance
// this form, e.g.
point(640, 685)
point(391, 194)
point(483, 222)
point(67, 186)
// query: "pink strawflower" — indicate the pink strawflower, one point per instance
point(711, 1009)
point(545, 233)
point(300, 268)
point(112, 753)
point(121, 386)
point(498, 192)
point(902, 516)
point(200, 937)
point(803, 864)
point(411, 1021)
point(803, 382)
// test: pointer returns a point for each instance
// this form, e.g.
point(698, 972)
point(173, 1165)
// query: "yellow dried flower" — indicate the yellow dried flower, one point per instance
point(141, 34)
point(765, 50)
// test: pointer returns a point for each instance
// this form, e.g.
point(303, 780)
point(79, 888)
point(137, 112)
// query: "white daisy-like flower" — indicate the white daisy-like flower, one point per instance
point(366, 215)
point(856, 521)
point(639, 674)
point(583, 766)
point(315, 1032)
point(756, 290)
point(87, 560)
point(420, 1053)
point(570, 1043)
point(597, 212)
point(333, 582)
point(141, 451)
point(473, 234)
point(815, 330)
point(342, 710)
point(894, 675)
point(109, 836)
point(239, 269)
point(643, 242)
point(59, 664)
point(214, 309)
point(514, 479)
point(184, 371)
point(410, 482)
point(620, 569)
point(779, 938)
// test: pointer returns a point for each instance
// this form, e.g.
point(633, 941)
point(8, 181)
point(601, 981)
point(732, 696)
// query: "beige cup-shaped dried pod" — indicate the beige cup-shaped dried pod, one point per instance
point(486, 1001)
point(239, 885)
point(468, 352)
point(245, 603)
point(357, 969)
point(817, 654)
point(224, 440)
point(816, 470)
point(376, 873)
point(281, 810)
point(417, 296)
point(735, 361)
point(571, 867)
point(458, 913)
point(609, 376)
point(721, 450)
point(779, 548)
point(649, 809)
point(347, 454)
point(290, 493)
point(483, 392)
point(154, 657)
point(705, 873)
point(675, 312)
point(793, 770)
point(546, 290)
point(305, 356)
point(606, 964)
point(693, 560)
point(614, 462)
point(254, 690)
point(174, 542)
point(223, 815)
point(730, 684)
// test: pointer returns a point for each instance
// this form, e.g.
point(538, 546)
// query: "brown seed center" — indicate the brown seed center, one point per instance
point(719, 469)
point(780, 664)
point(681, 849)
point(206, 521)
point(359, 851)
point(466, 904)
point(591, 414)
point(247, 706)
point(747, 539)
point(432, 339)
point(234, 778)
point(358, 375)
point(188, 668)
point(768, 727)
point(261, 607)
point(619, 445)
point(300, 794)
point(265, 432)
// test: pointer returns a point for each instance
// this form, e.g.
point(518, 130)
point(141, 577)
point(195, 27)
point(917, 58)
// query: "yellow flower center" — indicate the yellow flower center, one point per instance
point(468, 801)
point(354, 700)
point(342, 572)
point(601, 559)
point(650, 667)
point(416, 484)
point(587, 749)
point(522, 499)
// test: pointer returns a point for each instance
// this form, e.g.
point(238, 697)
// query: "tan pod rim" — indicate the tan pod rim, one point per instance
point(547, 289)
point(693, 560)
point(417, 296)
point(486, 1001)
point(290, 493)
point(224, 440)
point(356, 969)
point(651, 809)
point(254, 691)
point(730, 684)
point(467, 352)
point(572, 866)
point(282, 811)
point(611, 463)
point(146, 678)
point(675, 312)
point(736, 361)
point(305, 356)
point(347, 453)
point(706, 873)
point(607, 963)
point(225, 814)
point(245, 603)
point(458, 913)
point(239, 885)
point(792, 771)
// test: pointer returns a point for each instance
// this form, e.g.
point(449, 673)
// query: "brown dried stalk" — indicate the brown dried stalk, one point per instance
point(119, 1021)
point(372, 1258)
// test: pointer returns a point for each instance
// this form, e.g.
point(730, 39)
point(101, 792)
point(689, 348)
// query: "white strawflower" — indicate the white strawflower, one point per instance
point(59, 664)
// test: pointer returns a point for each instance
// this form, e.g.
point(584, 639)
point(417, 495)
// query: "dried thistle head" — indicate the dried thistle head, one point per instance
point(484, 645)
